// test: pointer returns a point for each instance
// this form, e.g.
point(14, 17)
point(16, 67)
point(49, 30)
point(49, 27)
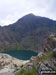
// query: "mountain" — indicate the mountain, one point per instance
point(29, 33)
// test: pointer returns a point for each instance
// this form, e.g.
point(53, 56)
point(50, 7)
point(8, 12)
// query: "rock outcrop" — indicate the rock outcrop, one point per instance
point(44, 61)
point(37, 65)
point(10, 65)
point(50, 43)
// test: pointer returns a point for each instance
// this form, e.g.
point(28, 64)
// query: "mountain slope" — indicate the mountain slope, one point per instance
point(29, 32)
point(44, 63)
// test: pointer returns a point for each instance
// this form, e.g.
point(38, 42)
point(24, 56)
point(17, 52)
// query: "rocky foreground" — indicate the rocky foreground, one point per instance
point(10, 65)
point(44, 62)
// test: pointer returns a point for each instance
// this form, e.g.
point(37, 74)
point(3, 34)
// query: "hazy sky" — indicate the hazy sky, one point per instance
point(12, 10)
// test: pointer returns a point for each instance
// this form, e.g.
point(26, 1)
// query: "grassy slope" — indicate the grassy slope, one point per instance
point(12, 46)
point(45, 57)
point(28, 72)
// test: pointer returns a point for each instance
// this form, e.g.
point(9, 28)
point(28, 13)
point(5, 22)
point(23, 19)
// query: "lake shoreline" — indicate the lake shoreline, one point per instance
point(37, 51)
point(21, 54)
point(11, 64)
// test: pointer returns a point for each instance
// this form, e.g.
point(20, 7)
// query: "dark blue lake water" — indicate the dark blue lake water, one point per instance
point(23, 54)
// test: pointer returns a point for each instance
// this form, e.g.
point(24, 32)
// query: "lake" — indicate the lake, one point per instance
point(23, 54)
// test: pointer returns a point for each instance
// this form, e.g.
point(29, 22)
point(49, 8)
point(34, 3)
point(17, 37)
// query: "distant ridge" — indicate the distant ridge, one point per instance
point(29, 33)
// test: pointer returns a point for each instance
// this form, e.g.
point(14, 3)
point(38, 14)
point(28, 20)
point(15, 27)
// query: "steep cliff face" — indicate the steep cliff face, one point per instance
point(50, 43)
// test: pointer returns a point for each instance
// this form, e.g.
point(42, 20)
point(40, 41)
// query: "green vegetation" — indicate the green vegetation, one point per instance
point(28, 72)
point(15, 65)
point(11, 46)
point(45, 56)
point(30, 32)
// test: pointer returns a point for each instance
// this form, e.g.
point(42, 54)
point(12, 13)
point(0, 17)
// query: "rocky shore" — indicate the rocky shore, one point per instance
point(10, 65)
point(44, 62)
point(37, 65)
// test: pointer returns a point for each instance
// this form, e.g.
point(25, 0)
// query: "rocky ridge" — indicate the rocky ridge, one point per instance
point(44, 61)
point(50, 43)
point(28, 33)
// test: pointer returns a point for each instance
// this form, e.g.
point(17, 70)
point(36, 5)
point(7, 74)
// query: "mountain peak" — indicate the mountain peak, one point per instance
point(27, 17)
point(30, 14)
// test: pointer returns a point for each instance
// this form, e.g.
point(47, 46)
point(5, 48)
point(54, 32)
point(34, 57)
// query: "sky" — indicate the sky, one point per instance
point(12, 10)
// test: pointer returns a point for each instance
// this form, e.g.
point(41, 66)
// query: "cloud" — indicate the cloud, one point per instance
point(12, 10)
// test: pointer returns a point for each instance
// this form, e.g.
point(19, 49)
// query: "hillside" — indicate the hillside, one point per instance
point(39, 64)
point(42, 64)
point(29, 33)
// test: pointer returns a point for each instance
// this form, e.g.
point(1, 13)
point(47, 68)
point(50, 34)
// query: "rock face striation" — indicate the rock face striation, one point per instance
point(50, 43)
